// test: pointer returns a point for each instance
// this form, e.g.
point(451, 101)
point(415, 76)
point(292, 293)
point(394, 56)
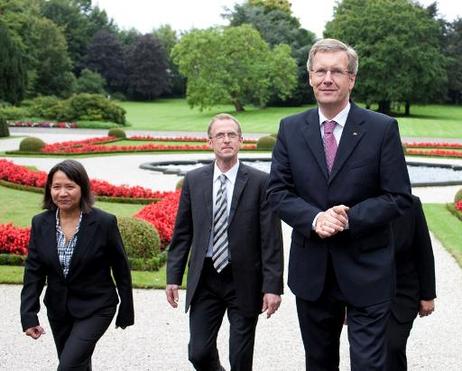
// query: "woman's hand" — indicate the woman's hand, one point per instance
point(35, 332)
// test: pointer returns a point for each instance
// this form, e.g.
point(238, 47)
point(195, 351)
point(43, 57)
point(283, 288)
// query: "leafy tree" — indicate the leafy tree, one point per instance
point(90, 82)
point(233, 65)
point(54, 67)
point(453, 49)
point(147, 69)
point(277, 25)
point(168, 38)
point(12, 71)
point(106, 55)
point(399, 50)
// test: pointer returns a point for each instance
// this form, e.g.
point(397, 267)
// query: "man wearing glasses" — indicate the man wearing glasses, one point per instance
point(233, 240)
point(338, 177)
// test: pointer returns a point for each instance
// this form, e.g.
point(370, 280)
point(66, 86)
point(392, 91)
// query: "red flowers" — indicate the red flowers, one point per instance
point(42, 124)
point(99, 145)
point(434, 149)
point(458, 205)
point(162, 215)
point(14, 240)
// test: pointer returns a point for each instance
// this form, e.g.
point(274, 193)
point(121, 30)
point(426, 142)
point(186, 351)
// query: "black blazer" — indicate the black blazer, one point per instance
point(415, 265)
point(369, 175)
point(254, 235)
point(88, 286)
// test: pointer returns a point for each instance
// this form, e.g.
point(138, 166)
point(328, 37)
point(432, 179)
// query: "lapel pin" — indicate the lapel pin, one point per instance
point(355, 133)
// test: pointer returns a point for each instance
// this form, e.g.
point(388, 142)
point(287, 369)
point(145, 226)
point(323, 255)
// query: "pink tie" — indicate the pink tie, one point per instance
point(330, 145)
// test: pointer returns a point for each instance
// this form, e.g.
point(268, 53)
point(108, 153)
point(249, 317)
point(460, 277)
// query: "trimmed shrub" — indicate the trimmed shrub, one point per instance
point(4, 131)
point(117, 132)
point(48, 107)
point(266, 143)
point(179, 184)
point(14, 113)
point(141, 239)
point(458, 196)
point(12, 259)
point(31, 144)
point(93, 107)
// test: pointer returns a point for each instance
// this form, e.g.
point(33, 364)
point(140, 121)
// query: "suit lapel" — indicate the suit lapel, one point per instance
point(51, 245)
point(352, 134)
point(85, 236)
point(241, 181)
point(207, 192)
point(312, 133)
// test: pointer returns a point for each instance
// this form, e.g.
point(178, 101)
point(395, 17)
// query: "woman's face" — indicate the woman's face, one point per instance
point(65, 193)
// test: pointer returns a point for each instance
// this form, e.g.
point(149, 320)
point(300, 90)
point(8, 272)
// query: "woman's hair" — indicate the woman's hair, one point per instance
point(77, 173)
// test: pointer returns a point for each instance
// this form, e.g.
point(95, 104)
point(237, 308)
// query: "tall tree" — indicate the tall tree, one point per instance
point(453, 49)
point(220, 70)
point(147, 69)
point(107, 56)
point(277, 25)
point(12, 71)
point(399, 49)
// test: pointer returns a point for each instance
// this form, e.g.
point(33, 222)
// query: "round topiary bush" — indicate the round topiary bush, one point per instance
point(179, 184)
point(458, 196)
point(117, 132)
point(141, 239)
point(4, 131)
point(31, 144)
point(266, 143)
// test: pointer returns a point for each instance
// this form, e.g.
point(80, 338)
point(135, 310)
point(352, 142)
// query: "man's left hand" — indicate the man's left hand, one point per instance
point(426, 307)
point(271, 304)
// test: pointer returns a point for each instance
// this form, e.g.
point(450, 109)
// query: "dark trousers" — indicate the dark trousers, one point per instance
point(214, 295)
point(321, 323)
point(397, 335)
point(75, 339)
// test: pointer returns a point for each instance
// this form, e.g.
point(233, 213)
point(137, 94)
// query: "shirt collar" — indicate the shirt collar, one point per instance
point(340, 118)
point(231, 174)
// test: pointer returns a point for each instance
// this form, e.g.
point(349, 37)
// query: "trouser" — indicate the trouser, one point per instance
point(75, 339)
point(321, 323)
point(214, 295)
point(397, 335)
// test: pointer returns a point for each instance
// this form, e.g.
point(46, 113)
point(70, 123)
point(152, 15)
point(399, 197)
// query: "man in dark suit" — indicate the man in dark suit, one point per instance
point(234, 244)
point(415, 282)
point(338, 177)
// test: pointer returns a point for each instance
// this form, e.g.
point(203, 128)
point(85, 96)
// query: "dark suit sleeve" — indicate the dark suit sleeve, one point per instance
point(180, 245)
point(395, 190)
point(423, 252)
point(122, 276)
point(282, 196)
point(271, 248)
point(34, 280)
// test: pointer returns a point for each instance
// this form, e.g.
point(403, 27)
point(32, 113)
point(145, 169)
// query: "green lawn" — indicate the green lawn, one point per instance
point(175, 115)
point(18, 207)
point(446, 228)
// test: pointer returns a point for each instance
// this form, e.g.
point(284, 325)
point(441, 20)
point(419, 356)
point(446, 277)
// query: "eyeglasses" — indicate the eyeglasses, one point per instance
point(335, 72)
point(231, 136)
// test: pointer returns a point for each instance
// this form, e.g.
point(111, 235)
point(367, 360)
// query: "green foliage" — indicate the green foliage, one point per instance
point(219, 70)
point(93, 107)
point(48, 107)
point(31, 144)
point(453, 50)
point(397, 41)
point(152, 264)
point(4, 131)
point(179, 184)
point(141, 240)
point(12, 259)
point(458, 195)
point(269, 5)
point(117, 132)
point(90, 82)
point(266, 143)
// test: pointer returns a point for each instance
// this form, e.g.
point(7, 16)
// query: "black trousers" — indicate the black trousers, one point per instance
point(321, 323)
point(75, 339)
point(214, 296)
point(397, 335)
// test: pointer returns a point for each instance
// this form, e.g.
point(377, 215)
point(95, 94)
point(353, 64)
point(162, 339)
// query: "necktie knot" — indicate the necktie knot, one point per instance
point(329, 126)
point(222, 178)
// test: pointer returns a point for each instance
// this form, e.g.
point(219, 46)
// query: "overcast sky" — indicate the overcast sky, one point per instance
point(145, 15)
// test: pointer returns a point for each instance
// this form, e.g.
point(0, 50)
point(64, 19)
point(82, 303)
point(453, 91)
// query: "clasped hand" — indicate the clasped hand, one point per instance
point(332, 221)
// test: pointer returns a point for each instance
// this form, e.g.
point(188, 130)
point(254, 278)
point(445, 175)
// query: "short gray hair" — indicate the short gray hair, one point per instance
point(223, 116)
point(333, 45)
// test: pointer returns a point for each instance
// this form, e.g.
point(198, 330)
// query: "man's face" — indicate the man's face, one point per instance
point(225, 140)
point(330, 79)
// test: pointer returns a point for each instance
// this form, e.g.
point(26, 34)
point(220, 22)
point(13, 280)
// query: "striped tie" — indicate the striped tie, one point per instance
point(220, 228)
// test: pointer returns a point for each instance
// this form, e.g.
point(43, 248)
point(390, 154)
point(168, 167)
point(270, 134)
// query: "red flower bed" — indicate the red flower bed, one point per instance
point(14, 240)
point(445, 145)
point(21, 175)
point(42, 124)
point(434, 152)
point(458, 205)
point(180, 139)
point(94, 145)
point(162, 216)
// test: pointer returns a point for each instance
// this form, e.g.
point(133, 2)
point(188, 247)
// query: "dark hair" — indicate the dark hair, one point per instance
point(77, 173)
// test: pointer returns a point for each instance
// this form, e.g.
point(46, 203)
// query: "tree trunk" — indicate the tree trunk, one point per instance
point(407, 110)
point(238, 105)
point(385, 106)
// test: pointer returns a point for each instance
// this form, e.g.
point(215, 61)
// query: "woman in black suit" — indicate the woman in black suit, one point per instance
point(74, 247)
